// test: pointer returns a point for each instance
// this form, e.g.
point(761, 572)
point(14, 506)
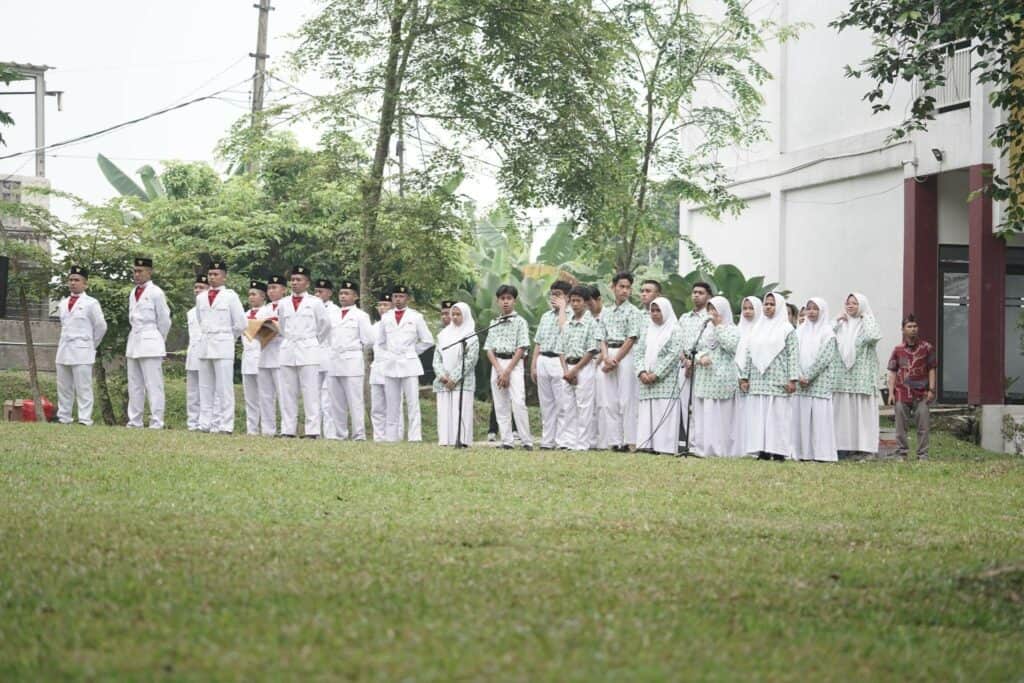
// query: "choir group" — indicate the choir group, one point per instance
point(773, 383)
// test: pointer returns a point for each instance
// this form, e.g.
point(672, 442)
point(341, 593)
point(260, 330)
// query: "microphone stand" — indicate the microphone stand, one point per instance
point(462, 378)
point(693, 378)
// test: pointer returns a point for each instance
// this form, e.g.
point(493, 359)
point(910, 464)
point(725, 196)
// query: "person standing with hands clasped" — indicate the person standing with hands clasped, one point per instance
point(221, 321)
point(150, 319)
point(855, 397)
point(505, 346)
point(813, 433)
point(404, 335)
point(456, 376)
point(303, 322)
point(577, 346)
point(657, 368)
point(82, 327)
point(912, 376)
point(546, 368)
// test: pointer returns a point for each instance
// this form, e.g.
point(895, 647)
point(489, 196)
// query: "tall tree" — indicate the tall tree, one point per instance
point(912, 39)
point(6, 76)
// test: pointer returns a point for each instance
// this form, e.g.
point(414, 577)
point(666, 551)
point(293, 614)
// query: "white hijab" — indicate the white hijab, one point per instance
point(813, 336)
point(658, 335)
point(847, 332)
point(768, 337)
point(724, 309)
point(451, 333)
point(745, 327)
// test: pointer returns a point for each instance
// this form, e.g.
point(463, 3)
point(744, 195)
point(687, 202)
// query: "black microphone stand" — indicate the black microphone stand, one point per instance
point(462, 379)
point(693, 379)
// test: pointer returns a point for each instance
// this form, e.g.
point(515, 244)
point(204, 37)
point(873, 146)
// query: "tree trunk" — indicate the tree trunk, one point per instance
point(30, 355)
point(106, 407)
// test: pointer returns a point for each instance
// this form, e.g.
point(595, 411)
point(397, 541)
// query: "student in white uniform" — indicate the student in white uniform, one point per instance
point(350, 336)
point(715, 384)
point(404, 334)
point(221, 321)
point(455, 376)
point(378, 399)
point(304, 325)
point(577, 347)
point(201, 284)
point(150, 320)
point(658, 356)
point(251, 350)
point(270, 359)
point(597, 433)
point(506, 345)
point(855, 397)
point(750, 313)
point(324, 290)
point(813, 430)
point(622, 325)
point(547, 368)
point(82, 327)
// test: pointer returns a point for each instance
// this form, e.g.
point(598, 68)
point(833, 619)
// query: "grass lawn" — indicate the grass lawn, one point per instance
point(141, 555)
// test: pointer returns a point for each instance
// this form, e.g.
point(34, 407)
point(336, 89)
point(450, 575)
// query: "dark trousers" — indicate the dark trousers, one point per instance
point(905, 413)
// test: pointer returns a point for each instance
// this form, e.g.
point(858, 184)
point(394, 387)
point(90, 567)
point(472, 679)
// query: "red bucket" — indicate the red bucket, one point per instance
point(28, 409)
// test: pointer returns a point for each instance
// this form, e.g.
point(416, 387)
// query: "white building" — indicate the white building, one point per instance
point(834, 208)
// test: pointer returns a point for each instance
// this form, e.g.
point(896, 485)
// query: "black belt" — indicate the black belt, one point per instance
point(503, 356)
point(549, 354)
point(615, 345)
point(573, 361)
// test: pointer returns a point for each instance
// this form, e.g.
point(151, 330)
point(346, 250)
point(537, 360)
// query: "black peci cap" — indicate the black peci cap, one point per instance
point(202, 279)
point(349, 284)
point(143, 262)
point(447, 303)
point(218, 264)
point(256, 284)
point(79, 270)
point(301, 270)
point(324, 283)
point(277, 280)
point(399, 289)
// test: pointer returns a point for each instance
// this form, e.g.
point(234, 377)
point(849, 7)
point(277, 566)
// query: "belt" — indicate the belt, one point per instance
point(615, 345)
point(503, 356)
point(549, 354)
point(573, 361)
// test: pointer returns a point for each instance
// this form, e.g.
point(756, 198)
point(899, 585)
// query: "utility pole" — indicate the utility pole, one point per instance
point(260, 77)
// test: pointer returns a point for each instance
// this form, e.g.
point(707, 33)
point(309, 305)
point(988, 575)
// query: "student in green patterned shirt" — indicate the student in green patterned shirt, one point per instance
point(694, 326)
point(715, 385)
point(622, 324)
point(505, 346)
point(597, 432)
point(855, 398)
point(547, 368)
point(577, 346)
point(657, 369)
point(455, 376)
point(769, 370)
point(813, 432)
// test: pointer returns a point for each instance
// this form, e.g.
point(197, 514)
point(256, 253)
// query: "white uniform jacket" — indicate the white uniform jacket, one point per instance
point(349, 336)
point(220, 324)
point(331, 310)
point(270, 356)
point(251, 350)
point(194, 332)
point(81, 331)
point(150, 319)
point(404, 343)
point(302, 329)
point(379, 357)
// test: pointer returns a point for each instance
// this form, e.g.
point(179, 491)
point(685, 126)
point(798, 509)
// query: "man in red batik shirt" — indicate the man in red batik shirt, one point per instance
point(912, 371)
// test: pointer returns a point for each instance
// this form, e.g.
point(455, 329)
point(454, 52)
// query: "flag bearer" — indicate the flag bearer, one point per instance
point(150, 320)
point(82, 327)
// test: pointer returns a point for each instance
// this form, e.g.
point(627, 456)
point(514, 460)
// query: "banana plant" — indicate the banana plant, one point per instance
point(150, 189)
point(727, 280)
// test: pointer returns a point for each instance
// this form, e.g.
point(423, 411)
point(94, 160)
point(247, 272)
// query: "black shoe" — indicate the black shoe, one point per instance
point(527, 447)
point(546, 448)
point(286, 436)
point(310, 436)
point(506, 447)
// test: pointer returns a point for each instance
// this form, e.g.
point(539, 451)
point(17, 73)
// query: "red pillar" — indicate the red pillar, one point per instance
point(921, 254)
point(986, 314)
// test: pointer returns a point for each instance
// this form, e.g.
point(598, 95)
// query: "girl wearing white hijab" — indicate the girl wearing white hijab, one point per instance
point(750, 312)
point(449, 369)
point(657, 368)
point(768, 376)
point(855, 397)
point(714, 385)
point(813, 432)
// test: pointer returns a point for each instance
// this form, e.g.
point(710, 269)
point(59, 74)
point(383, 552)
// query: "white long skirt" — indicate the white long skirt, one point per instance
point(768, 424)
point(448, 417)
point(719, 421)
point(856, 421)
point(813, 433)
point(658, 426)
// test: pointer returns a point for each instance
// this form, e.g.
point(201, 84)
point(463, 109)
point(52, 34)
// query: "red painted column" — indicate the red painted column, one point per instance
point(921, 254)
point(986, 286)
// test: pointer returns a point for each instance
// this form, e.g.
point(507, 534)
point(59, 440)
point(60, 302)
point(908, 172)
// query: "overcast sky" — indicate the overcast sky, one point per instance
point(116, 60)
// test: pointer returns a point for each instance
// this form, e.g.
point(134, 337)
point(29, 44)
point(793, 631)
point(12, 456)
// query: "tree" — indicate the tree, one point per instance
point(6, 76)
point(912, 39)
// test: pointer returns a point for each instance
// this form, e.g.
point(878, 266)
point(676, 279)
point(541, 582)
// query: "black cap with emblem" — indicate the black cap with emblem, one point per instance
point(349, 284)
point(399, 289)
point(301, 270)
point(447, 303)
point(143, 262)
point(79, 270)
point(256, 284)
point(324, 283)
point(277, 280)
point(202, 279)
point(218, 264)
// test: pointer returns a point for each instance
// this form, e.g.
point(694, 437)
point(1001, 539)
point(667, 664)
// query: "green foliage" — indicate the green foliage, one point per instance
point(121, 181)
point(727, 280)
point(6, 76)
point(912, 39)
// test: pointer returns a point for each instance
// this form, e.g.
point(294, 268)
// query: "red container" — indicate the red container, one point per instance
point(28, 410)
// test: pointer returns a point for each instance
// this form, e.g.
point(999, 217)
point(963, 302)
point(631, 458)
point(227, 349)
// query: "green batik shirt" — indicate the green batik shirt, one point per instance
point(783, 368)
point(720, 380)
point(821, 373)
point(548, 332)
point(472, 356)
point(690, 323)
point(862, 378)
point(666, 368)
point(578, 337)
point(508, 337)
point(622, 322)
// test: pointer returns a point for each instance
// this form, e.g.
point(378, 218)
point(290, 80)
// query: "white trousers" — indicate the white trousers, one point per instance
point(768, 423)
point(74, 381)
point(294, 380)
point(145, 382)
point(578, 404)
point(448, 417)
point(251, 392)
point(856, 421)
point(345, 406)
point(658, 425)
point(814, 436)
point(621, 390)
point(511, 400)
point(719, 420)
point(379, 413)
point(192, 400)
point(269, 398)
point(326, 414)
point(600, 426)
point(217, 395)
point(550, 386)
point(396, 391)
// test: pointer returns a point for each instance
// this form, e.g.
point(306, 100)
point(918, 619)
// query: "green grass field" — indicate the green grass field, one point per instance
point(141, 555)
